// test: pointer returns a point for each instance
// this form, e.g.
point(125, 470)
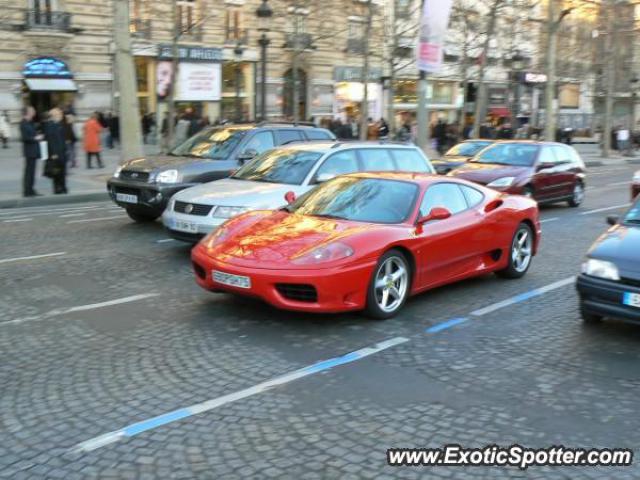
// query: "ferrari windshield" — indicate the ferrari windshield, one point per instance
point(279, 166)
point(216, 143)
point(467, 149)
point(372, 200)
point(514, 154)
point(633, 215)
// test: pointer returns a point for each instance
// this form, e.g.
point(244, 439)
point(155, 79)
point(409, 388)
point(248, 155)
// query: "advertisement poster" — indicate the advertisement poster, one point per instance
point(433, 28)
point(199, 82)
point(164, 78)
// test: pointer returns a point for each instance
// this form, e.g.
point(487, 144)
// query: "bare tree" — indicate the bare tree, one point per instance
point(364, 107)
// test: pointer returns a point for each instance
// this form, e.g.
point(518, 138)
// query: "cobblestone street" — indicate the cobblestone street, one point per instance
point(107, 331)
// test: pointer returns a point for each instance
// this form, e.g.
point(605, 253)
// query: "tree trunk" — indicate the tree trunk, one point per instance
point(609, 80)
point(364, 107)
point(550, 87)
point(129, 111)
point(481, 96)
point(171, 105)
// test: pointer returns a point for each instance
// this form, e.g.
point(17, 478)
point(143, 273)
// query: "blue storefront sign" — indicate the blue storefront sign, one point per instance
point(46, 67)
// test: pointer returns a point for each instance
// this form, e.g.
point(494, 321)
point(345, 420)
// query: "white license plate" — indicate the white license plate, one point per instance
point(231, 280)
point(631, 299)
point(126, 198)
point(183, 226)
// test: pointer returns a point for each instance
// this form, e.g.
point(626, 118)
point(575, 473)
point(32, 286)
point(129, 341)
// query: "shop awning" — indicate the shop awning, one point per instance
point(51, 84)
point(500, 111)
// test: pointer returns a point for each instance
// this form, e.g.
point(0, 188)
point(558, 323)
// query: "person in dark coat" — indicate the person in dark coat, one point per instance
point(54, 134)
point(31, 150)
point(383, 129)
point(70, 139)
point(440, 134)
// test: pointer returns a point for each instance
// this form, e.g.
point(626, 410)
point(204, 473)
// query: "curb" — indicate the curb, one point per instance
point(54, 200)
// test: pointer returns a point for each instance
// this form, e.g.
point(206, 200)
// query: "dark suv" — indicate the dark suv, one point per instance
point(143, 186)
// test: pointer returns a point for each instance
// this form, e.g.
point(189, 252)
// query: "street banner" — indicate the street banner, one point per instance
point(433, 28)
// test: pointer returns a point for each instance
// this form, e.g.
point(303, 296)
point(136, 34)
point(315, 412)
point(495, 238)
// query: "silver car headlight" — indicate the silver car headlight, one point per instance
point(229, 212)
point(636, 177)
point(168, 176)
point(116, 174)
point(600, 269)
point(502, 182)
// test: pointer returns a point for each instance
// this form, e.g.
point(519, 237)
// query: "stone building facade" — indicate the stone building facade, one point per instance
point(61, 52)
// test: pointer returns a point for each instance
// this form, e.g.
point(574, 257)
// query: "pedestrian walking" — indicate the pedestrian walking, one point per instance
point(182, 129)
point(71, 140)
point(30, 149)
point(383, 129)
point(146, 127)
point(5, 129)
point(92, 130)
point(56, 163)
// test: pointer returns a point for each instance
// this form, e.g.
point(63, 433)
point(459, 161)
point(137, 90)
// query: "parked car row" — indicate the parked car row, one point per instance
point(305, 227)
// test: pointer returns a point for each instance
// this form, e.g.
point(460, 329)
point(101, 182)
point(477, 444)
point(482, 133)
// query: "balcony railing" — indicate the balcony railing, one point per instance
point(300, 41)
point(355, 45)
point(47, 20)
point(140, 28)
point(236, 36)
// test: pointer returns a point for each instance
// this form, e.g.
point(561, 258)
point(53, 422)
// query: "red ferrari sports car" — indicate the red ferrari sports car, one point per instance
point(368, 241)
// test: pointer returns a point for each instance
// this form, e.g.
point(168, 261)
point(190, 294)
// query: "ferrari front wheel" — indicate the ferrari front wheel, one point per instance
point(389, 286)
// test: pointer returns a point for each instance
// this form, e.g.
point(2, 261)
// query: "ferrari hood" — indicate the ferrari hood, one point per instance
point(277, 240)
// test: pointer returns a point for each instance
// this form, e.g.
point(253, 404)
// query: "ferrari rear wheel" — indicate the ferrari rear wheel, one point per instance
point(389, 286)
point(520, 254)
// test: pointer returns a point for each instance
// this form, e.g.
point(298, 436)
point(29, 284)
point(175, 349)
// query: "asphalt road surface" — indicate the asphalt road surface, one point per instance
point(115, 364)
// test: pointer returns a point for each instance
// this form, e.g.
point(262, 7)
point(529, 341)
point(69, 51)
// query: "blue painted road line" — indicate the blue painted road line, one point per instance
point(444, 325)
point(179, 414)
point(523, 296)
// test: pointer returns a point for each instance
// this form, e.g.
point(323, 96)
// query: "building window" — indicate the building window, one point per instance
point(355, 37)
point(186, 15)
point(569, 95)
point(234, 28)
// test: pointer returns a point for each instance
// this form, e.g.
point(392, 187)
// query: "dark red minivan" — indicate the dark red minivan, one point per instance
point(546, 171)
point(635, 186)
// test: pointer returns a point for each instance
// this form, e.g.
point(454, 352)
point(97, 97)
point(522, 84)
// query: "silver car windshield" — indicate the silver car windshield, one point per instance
point(279, 166)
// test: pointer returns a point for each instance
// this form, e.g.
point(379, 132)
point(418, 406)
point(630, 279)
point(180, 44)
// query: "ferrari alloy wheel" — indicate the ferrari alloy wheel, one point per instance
point(521, 253)
point(389, 286)
point(578, 195)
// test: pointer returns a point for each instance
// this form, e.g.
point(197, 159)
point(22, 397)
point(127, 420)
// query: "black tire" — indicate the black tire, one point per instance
point(589, 318)
point(142, 217)
point(578, 196)
point(373, 309)
point(513, 270)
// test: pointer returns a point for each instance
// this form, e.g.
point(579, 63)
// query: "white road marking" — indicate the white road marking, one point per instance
point(40, 210)
point(33, 257)
point(165, 240)
point(626, 182)
point(15, 220)
point(181, 413)
point(598, 210)
point(549, 219)
point(523, 296)
point(69, 215)
point(95, 219)
point(80, 308)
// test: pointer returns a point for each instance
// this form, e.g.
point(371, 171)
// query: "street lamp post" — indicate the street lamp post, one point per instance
point(238, 51)
point(264, 14)
point(517, 66)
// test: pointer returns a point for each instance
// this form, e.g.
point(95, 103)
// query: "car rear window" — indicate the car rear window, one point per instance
point(288, 136)
point(376, 160)
point(318, 135)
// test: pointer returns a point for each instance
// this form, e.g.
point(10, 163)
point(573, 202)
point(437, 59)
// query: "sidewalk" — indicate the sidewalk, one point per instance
point(83, 184)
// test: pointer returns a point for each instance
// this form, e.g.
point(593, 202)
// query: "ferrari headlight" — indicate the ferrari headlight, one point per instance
point(325, 253)
point(168, 176)
point(116, 174)
point(600, 269)
point(502, 182)
point(229, 212)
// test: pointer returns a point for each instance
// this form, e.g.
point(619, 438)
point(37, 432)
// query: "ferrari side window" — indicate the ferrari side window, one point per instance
point(473, 196)
point(447, 195)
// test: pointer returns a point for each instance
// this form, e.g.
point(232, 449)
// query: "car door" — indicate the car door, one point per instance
point(546, 177)
point(446, 250)
point(565, 170)
point(258, 142)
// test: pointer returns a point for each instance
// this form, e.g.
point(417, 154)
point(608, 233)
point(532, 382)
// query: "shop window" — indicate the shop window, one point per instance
point(442, 92)
point(569, 95)
point(230, 77)
point(405, 91)
point(186, 15)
